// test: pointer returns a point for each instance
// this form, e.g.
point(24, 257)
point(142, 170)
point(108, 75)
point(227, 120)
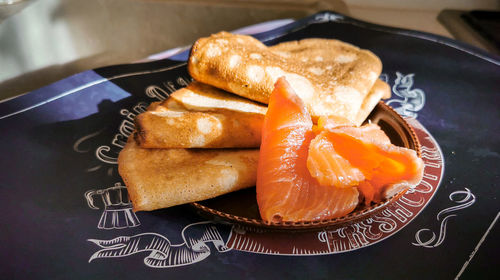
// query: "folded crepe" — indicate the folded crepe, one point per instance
point(160, 178)
point(332, 77)
point(201, 116)
point(201, 97)
point(320, 53)
point(380, 90)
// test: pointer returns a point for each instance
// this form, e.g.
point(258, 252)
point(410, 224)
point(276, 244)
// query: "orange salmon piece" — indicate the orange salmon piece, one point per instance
point(286, 191)
point(328, 122)
point(328, 167)
point(387, 169)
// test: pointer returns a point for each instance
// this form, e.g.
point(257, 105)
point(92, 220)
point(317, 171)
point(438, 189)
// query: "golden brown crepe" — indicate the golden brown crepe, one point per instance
point(184, 129)
point(320, 52)
point(332, 77)
point(201, 116)
point(201, 97)
point(160, 178)
point(380, 90)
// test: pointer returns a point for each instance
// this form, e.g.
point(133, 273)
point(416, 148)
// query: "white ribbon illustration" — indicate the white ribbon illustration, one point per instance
point(463, 203)
point(163, 254)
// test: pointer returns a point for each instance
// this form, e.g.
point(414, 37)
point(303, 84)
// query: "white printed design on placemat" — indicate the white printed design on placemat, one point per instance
point(467, 200)
point(109, 153)
point(326, 17)
point(117, 212)
point(162, 253)
point(410, 100)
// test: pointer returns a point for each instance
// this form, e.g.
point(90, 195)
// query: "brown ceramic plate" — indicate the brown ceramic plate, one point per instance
point(241, 206)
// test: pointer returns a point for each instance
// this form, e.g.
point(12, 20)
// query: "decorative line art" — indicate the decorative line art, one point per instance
point(326, 17)
point(413, 99)
point(104, 153)
point(100, 154)
point(429, 153)
point(162, 253)
point(160, 94)
point(463, 203)
point(76, 145)
point(117, 212)
point(157, 93)
point(109, 153)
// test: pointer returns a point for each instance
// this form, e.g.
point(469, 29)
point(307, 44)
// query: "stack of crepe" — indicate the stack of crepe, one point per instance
point(203, 141)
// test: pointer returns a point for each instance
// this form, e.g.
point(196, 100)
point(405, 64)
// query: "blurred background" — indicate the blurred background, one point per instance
point(42, 41)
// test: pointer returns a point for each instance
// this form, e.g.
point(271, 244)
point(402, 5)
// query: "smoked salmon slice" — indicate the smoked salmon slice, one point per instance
point(286, 191)
point(328, 167)
point(364, 156)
